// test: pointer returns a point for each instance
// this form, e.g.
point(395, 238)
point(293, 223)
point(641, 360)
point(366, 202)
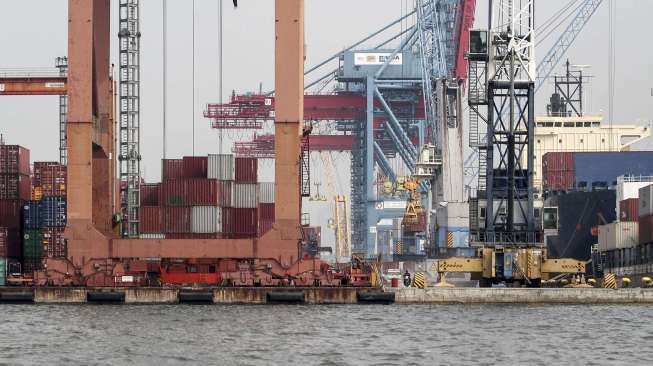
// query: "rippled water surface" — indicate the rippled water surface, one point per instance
point(325, 335)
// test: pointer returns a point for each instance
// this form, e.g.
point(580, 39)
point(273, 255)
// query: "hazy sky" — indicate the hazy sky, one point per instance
point(33, 33)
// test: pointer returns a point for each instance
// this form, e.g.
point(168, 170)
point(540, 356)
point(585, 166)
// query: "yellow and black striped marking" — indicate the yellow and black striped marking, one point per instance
point(419, 280)
point(610, 281)
point(449, 239)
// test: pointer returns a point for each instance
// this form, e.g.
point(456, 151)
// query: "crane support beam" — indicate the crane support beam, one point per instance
point(50, 85)
point(289, 120)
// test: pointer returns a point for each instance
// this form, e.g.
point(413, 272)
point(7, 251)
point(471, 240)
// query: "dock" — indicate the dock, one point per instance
point(322, 295)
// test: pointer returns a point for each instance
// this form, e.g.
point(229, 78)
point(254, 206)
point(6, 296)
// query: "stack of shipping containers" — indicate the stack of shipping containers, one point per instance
point(207, 197)
point(14, 191)
point(645, 215)
point(241, 219)
point(44, 217)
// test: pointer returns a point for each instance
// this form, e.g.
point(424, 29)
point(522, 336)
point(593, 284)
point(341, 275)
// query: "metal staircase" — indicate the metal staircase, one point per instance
point(305, 167)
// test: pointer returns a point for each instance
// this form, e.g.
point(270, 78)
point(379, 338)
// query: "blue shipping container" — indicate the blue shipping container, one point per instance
point(603, 168)
point(53, 212)
point(32, 215)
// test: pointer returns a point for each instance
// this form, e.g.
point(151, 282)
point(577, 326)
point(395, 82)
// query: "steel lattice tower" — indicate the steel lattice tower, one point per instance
point(511, 72)
point(62, 64)
point(129, 138)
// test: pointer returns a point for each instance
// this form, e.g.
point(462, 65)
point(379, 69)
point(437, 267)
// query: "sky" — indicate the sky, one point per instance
point(34, 32)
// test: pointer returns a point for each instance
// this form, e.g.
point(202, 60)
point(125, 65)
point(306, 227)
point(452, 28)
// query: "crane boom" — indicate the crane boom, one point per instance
point(566, 39)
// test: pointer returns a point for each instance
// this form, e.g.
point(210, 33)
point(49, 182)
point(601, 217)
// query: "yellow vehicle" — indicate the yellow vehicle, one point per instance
point(516, 266)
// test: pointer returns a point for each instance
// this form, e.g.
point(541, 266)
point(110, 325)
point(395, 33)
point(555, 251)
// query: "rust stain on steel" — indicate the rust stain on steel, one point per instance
point(182, 248)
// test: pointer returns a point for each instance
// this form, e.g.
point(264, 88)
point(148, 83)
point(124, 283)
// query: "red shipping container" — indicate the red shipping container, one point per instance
point(629, 209)
point(245, 221)
point(266, 217)
point(246, 170)
point(558, 171)
point(10, 213)
point(13, 244)
point(266, 211)
point(195, 166)
point(51, 177)
point(4, 241)
point(176, 220)
point(150, 194)
point(14, 159)
point(190, 192)
point(54, 244)
point(646, 229)
point(150, 220)
point(15, 186)
point(172, 168)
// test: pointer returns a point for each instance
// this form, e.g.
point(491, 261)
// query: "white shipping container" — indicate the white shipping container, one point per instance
point(206, 219)
point(152, 236)
point(266, 192)
point(244, 195)
point(618, 235)
point(221, 166)
point(646, 201)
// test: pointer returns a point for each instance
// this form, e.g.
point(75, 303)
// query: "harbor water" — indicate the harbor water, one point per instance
point(325, 335)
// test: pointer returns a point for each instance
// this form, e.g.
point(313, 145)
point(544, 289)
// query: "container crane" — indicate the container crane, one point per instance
point(508, 240)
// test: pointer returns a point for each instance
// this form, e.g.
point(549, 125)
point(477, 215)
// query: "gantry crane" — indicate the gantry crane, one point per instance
point(94, 253)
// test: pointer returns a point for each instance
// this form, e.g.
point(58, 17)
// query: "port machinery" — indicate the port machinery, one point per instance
point(96, 256)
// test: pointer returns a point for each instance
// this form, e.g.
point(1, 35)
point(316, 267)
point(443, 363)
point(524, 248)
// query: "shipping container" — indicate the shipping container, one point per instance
point(53, 211)
point(172, 168)
point(206, 219)
point(53, 242)
point(226, 192)
point(195, 166)
point(646, 229)
point(593, 170)
point(220, 166)
point(15, 187)
point(150, 194)
point(646, 200)
point(240, 222)
point(266, 217)
point(190, 192)
point(629, 209)
point(32, 215)
point(176, 219)
point(266, 192)
point(10, 213)
point(4, 241)
point(558, 171)
point(3, 271)
point(50, 178)
point(246, 170)
point(14, 159)
point(32, 246)
point(245, 195)
point(618, 235)
point(151, 219)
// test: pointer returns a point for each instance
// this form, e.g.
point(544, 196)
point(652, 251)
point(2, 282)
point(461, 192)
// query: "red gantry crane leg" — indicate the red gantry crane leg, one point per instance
point(90, 131)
